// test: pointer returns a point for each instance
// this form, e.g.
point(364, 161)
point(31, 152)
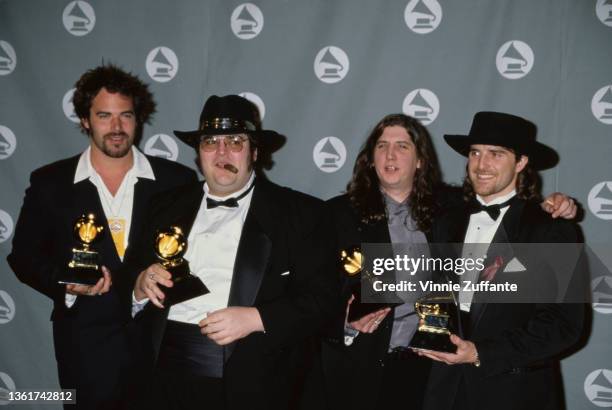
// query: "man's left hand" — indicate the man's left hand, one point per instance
point(466, 352)
point(225, 326)
point(560, 205)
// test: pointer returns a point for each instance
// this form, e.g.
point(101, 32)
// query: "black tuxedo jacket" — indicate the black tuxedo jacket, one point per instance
point(359, 367)
point(284, 231)
point(518, 344)
point(91, 346)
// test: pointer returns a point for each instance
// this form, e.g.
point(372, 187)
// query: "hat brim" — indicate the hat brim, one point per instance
point(269, 140)
point(540, 155)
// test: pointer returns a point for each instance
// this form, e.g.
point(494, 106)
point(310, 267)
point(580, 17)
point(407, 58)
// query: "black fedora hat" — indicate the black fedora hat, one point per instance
point(232, 114)
point(508, 131)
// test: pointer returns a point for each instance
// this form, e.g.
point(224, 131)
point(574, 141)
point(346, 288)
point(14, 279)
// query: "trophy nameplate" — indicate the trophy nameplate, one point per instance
point(437, 320)
point(351, 263)
point(170, 246)
point(84, 267)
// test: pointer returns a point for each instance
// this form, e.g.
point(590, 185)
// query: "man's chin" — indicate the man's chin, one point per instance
point(117, 153)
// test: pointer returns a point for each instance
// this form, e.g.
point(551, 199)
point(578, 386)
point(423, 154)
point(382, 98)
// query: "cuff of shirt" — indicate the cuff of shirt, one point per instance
point(349, 335)
point(69, 300)
point(137, 306)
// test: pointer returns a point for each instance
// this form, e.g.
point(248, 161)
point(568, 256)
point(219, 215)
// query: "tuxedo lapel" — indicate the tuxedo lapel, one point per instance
point(143, 190)
point(253, 253)
point(458, 227)
point(188, 207)
point(511, 223)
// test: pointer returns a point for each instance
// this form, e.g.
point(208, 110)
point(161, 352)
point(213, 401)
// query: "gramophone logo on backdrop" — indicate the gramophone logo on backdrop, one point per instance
point(8, 142)
point(79, 18)
point(163, 146)
point(331, 64)
point(603, 9)
point(601, 288)
point(601, 104)
point(600, 200)
point(422, 104)
point(514, 59)
point(247, 21)
point(6, 385)
point(423, 16)
point(598, 387)
point(329, 154)
point(162, 64)
point(7, 307)
point(6, 226)
point(255, 99)
point(8, 58)
point(68, 107)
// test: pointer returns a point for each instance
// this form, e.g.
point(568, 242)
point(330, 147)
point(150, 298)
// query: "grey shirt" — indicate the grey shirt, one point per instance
point(407, 239)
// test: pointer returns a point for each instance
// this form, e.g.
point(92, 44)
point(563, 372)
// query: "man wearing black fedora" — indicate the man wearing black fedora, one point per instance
point(261, 250)
point(508, 354)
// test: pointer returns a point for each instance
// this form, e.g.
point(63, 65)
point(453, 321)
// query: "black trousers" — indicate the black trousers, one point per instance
point(171, 390)
point(405, 376)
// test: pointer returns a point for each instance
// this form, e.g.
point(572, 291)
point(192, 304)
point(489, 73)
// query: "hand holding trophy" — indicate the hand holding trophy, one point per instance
point(84, 267)
point(170, 246)
point(352, 265)
point(437, 320)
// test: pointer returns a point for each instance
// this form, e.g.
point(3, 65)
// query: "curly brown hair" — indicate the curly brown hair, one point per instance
point(364, 188)
point(114, 80)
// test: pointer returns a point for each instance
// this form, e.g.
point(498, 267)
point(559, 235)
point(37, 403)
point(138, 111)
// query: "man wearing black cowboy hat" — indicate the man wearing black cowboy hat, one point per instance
point(263, 253)
point(508, 355)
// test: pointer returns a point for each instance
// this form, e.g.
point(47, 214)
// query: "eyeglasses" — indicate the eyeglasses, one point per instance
point(235, 143)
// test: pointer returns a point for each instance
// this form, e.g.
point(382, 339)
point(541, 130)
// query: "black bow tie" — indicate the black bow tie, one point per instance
point(229, 202)
point(492, 210)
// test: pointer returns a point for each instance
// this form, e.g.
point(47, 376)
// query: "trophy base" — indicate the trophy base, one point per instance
point(184, 288)
point(80, 276)
point(436, 342)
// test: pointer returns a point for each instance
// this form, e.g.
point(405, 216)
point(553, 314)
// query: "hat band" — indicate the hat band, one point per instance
point(227, 124)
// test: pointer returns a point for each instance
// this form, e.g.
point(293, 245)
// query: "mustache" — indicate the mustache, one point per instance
point(115, 134)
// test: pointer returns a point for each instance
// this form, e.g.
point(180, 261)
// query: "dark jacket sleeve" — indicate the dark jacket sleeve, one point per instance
point(313, 296)
point(32, 257)
point(551, 329)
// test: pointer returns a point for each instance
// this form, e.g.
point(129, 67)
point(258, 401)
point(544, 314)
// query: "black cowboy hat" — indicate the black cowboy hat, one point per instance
point(505, 130)
point(232, 114)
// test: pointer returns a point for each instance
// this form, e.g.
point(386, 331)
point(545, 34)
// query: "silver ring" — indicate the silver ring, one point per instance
point(89, 292)
point(151, 276)
point(377, 322)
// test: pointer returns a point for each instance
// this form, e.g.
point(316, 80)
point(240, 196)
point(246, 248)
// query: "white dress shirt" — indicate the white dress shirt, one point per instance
point(211, 253)
point(120, 205)
point(478, 237)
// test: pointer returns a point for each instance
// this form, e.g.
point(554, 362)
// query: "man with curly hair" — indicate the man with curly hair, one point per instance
point(113, 181)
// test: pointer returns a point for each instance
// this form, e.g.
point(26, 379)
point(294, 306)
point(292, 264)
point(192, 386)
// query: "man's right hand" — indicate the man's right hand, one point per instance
point(369, 323)
point(147, 284)
point(101, 287)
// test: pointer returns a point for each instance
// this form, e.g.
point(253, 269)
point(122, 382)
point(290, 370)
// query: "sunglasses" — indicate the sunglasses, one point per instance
point(235, 143)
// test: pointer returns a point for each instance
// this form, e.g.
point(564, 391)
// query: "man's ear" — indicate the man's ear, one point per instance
point(85, 123)
point(255, 155)
point(522, 163)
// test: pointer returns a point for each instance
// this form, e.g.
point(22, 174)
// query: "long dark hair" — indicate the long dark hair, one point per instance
point(364, 188)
